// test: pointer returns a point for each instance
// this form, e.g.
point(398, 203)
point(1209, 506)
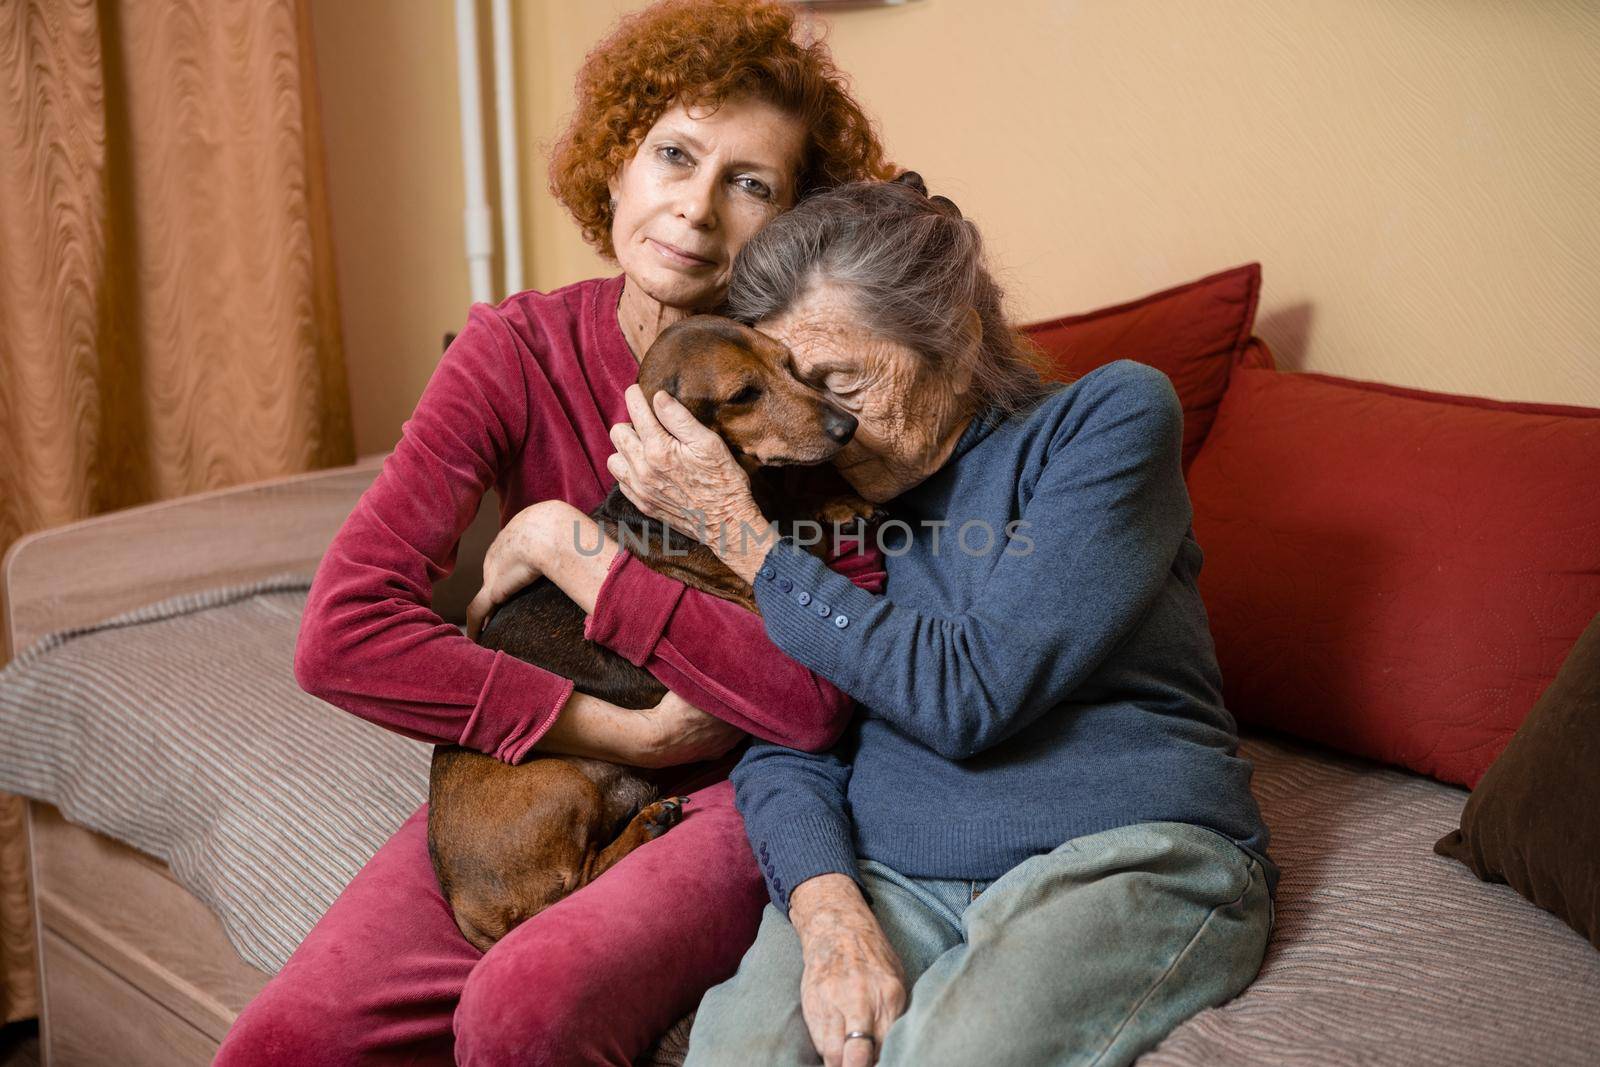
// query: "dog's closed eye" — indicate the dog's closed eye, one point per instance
point(749, 394)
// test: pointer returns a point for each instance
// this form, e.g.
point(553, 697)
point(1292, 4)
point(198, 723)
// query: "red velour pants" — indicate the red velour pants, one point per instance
point(386, 978)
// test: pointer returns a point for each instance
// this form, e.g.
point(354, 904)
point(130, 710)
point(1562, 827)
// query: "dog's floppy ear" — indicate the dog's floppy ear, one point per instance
point(702, 408)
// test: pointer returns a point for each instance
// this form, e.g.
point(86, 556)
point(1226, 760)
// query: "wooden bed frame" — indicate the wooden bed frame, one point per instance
point(129, 959)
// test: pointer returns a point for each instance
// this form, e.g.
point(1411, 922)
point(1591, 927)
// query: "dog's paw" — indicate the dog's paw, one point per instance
point(663, 815)
point(843, 513)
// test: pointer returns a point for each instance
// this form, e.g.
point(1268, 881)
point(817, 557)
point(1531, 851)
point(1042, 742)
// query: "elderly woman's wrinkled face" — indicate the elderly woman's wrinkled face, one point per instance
point(700, 185)
point(909, 415)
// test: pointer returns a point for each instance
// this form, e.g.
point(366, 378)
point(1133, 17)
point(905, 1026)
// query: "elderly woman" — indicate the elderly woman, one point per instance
point(1037, 844)
point(697, 123)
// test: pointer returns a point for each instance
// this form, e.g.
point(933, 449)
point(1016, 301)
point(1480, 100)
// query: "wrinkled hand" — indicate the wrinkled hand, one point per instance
point(853, 979)
point(677, 471)
point(517, 558)
point(682, 733)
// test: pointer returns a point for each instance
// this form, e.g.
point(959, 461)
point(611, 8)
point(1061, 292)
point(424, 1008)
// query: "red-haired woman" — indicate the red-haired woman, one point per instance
point(697, 122)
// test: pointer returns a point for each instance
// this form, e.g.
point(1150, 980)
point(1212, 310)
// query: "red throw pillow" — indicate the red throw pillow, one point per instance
point(1393, 572)
point(1192, 333)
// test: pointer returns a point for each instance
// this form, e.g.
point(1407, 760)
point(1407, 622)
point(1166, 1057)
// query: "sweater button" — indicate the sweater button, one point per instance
point(823, 610)
point(785, 584)
point(767, 572)
point(804, 598)
point(841, 621)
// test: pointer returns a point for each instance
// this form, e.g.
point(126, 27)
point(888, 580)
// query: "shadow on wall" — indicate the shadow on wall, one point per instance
point(1287, 332)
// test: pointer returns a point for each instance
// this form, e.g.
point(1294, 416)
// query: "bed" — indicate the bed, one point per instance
point(1382, 952)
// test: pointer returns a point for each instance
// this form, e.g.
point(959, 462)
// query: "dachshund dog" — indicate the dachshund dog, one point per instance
point(508, 841)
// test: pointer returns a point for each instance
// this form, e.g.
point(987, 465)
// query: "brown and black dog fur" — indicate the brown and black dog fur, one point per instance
point(508, 841)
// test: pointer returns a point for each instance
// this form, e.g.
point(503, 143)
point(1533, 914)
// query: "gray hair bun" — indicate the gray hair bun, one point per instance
point(942, 204)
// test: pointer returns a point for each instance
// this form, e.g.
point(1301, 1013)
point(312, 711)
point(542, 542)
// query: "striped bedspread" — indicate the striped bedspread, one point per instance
point(179, 729)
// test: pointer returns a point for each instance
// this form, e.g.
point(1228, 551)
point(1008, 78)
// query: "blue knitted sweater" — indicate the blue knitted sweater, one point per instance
point(1038, 668)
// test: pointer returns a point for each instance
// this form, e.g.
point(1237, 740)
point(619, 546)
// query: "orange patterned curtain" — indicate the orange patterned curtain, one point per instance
point(168, 317)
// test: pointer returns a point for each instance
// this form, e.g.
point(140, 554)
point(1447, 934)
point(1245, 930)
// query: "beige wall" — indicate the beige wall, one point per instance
point(1416, 176)
point(387, 70)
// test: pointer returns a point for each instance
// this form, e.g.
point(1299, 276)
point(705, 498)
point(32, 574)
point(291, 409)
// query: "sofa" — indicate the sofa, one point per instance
point(193, 811)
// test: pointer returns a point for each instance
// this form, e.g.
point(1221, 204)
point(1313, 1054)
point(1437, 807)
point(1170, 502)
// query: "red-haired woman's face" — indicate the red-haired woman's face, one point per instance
point(700, 185)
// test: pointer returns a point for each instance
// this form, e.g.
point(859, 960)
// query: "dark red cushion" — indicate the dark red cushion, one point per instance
point(1193, 333)
point(1393, 572)
point(1255, 353)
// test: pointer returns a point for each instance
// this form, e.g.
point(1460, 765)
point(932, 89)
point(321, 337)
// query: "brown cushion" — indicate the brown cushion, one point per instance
point(1533, 822)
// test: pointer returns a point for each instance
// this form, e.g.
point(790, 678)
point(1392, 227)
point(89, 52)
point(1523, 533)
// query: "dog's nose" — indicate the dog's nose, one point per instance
point(838, 425)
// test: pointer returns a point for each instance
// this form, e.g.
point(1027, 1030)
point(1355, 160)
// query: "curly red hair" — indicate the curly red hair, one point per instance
point(703, 52)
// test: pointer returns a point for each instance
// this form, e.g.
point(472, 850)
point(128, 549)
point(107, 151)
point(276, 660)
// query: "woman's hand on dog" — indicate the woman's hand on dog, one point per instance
point(681, 733)
point(676, 470)
point(551, 539)
point(509, 566)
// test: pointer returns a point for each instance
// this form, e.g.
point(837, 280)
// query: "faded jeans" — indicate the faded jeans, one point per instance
point(1089, 954)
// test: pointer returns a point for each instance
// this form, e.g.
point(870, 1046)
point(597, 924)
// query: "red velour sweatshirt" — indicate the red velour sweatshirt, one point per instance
point(522, 400)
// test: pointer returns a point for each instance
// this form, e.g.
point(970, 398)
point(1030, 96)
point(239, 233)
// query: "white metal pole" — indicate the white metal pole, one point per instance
point(480, 238)
point(505, 109)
